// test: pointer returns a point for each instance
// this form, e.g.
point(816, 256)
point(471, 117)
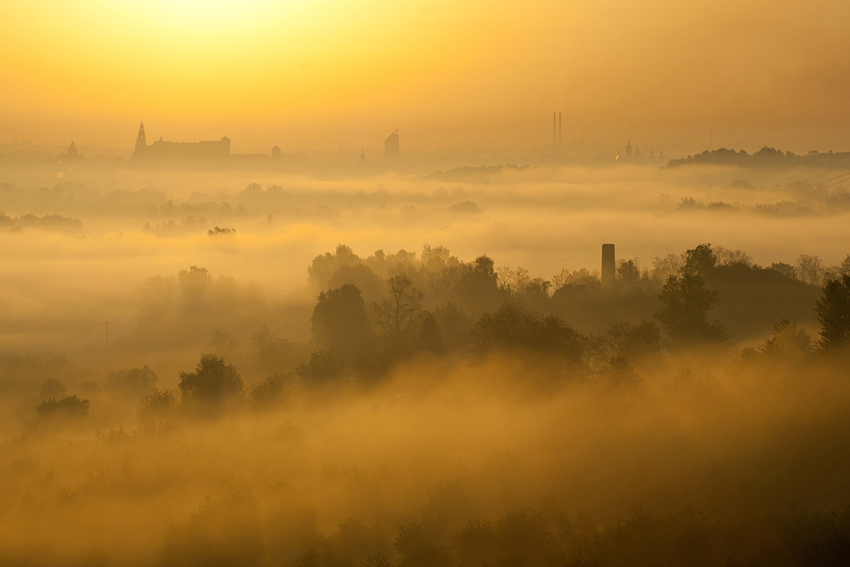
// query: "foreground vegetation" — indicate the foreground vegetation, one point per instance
point(451, 413)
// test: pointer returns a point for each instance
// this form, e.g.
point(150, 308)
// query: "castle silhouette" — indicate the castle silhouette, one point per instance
point(164, 151)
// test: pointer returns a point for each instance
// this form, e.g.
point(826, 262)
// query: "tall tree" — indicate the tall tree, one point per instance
point(686, 303)
point(340, 323)
point(478, 288)
point(211, 387)
point(700, 260)
point(833, 309)
point(810, 269)
point(400, 313)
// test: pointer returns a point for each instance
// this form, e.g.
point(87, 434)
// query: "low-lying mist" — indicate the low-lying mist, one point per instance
point(439, 445)
point(214, 370)
point(77, 250)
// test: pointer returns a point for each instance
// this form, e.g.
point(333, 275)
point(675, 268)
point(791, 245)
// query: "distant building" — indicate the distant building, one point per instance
point(628, 150)
point(362, 157)
point(163, 151)
point(391, 146)
point(609, 265)
point(276, 153)
point(141, 142)
point(71, 154)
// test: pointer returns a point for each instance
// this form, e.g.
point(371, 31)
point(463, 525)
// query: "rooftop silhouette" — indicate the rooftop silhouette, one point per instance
point(166, 151)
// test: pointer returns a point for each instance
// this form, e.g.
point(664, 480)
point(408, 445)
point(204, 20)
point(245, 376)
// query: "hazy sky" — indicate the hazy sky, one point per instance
point(334, 73)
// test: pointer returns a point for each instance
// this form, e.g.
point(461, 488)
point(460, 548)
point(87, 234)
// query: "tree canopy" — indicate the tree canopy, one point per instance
point(213, 385)
point(833, 309)
point(686, 303)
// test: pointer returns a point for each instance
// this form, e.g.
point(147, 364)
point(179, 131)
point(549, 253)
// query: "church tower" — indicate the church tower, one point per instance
point(141, 142)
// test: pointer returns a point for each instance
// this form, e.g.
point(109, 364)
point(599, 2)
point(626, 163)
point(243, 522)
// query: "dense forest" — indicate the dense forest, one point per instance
point(487, 407)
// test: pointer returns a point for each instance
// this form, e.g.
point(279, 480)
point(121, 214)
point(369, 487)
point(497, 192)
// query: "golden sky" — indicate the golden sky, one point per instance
point(333, 73)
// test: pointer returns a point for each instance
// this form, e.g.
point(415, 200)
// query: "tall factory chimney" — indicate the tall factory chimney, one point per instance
point(609, 267)
point(554, 128)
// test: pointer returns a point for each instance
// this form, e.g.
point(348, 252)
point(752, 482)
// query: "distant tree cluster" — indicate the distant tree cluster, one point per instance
point(435, 305)
point(48, 222)
point(229, 530)
point(765, 157)
point(438, 304)
point(219, 231)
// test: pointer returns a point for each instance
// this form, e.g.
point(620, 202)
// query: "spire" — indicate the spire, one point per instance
point(141, 141)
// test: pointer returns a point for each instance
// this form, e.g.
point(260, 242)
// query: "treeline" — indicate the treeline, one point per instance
point(378, 312)
point(51, 222)
point(440, 305)
point(795, 536)
point(765, 157)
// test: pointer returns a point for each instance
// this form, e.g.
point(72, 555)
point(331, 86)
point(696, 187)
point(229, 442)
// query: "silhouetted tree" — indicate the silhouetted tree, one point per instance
point(632, 342)
point(700, 260)
point(478, 288)
point(844, 268)
point(223, 343)
point(132, 380)
point(66, 409)
point(211, 387)
point(667, 266)
point(786, 270)
point(321, 368)
point(513, 328)
point(455, 325)
point(323, 267)
point(833, 309)
point(810, 269)
point(400, 312)
point(788, 341)
point(271, 392)
point(628, 273)
point(263, 340)
point(430, 337)
point(157, 405)
point(417, 548)
point(686, 304)
point(195, 286)
point(475, 544)
point(340, 323)
point(371, 286)
point(726, 257)
point(535, 294)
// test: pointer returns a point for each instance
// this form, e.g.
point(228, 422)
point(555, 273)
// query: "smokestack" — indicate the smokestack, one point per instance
point(554, 128)
point(609, 268)
point(559, 128)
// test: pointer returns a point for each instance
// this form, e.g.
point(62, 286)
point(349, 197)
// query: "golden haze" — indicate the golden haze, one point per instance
point(335, 74)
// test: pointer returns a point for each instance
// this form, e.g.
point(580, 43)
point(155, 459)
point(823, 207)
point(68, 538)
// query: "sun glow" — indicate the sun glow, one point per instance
point(220, 15)
point(455, 65)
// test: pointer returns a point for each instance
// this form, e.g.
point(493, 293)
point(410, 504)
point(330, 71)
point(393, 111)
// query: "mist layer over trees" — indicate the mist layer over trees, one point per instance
point(450, 412)
point(287, 374)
